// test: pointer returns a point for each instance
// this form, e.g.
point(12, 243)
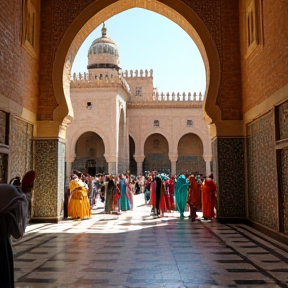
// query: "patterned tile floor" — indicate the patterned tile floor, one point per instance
point(136, 250)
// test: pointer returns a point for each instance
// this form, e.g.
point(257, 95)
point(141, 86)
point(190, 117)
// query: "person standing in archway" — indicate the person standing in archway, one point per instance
point(78, 206)
point(158, 189)
point(181, 192)
point(209, 200)
point(124, 200)
point(194, 197)
point(110, 189)
point(171, 189)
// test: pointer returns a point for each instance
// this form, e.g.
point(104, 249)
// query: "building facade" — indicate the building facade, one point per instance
point(243, 46)
point(121, 123)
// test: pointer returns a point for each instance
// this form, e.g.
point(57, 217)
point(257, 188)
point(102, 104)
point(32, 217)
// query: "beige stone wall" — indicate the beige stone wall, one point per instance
point(145, 83)
point(172, 125)
point(187, 149)
point(107, 114)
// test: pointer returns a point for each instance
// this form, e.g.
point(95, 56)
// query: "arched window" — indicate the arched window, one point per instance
point(189, 123)
point(156, 123)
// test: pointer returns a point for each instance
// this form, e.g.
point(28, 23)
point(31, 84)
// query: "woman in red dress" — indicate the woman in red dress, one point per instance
point(209, 198)
point(194, 197)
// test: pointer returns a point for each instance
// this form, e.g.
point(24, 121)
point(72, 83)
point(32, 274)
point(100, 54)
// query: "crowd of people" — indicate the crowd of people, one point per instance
point(164, 193)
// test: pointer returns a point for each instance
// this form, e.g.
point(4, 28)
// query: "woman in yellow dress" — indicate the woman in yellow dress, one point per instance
point(78, 206)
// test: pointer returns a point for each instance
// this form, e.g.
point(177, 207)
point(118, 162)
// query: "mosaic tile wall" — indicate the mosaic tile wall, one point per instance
point(21, 148)
point(283, 121)
point(49, 184)
point(61, 178)
point(262, 172)
point(283, 135)
point(228, 169)
point(284, 164)
point(2, 127)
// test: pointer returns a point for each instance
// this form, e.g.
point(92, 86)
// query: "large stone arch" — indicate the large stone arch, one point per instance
point(156, 153)
point(121, 143)
point(74, 138)
point(207, 151)
point(148, 134)
point(99, 11)
point(89, 154)
point(190, 154)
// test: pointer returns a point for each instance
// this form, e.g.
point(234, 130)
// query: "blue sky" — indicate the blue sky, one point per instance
point(147, 40)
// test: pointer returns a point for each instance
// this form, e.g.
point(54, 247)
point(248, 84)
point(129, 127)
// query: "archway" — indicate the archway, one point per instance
point(156, 151)
point(121, 144)
point(190, 152)
point(99, 11)
point(89, 19)
point(89, 154)
point(132, 162)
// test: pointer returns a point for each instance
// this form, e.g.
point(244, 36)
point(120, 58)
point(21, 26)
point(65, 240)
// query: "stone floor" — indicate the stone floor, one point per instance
point(135, 249)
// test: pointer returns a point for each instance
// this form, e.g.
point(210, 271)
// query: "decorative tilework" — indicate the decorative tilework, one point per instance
point(228, 156)
point(210, 13)
point(21, 149)
point(284, 168)
point(283, 121)
point(262, 173)
point(49, 184)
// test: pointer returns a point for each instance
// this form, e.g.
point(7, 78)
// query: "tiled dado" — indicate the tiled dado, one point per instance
point(282, 138)
point(228, 167)
point(284, 168)
point(262, 171)
point(49, 183)
point(21, 152)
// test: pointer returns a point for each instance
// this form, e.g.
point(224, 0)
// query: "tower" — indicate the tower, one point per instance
point(98, 134)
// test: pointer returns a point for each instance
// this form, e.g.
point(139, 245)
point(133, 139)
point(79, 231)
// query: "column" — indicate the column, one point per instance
point(139, 160)
point(112, 168)
point(50, 180)
point(207, 159)
point(173, 158)
point(229, 168)
point(112, 164)
point(68, 167)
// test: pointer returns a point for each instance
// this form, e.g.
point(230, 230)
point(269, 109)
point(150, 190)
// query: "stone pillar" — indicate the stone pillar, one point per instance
point(173, 159)
point(139, 160)
point(68, 167)
point(112, 168)
point(49, 184)
point(112, 164)
point(207, 159)
point(228, 146)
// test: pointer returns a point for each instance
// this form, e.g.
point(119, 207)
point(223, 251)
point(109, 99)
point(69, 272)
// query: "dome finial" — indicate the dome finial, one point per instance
point(104, 30)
